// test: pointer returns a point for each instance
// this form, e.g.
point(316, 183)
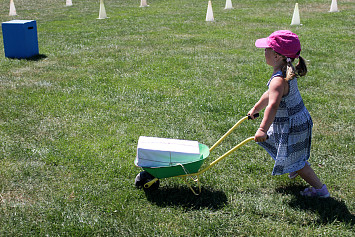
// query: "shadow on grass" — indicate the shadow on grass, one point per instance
point(328, 209)
point(37, 57)
point(183, 197)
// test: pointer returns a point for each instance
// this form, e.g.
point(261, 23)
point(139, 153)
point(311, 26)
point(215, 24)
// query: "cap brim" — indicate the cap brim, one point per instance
point(262, 43)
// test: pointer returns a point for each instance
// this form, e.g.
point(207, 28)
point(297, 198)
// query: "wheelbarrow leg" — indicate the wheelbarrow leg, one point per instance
point(189, 185)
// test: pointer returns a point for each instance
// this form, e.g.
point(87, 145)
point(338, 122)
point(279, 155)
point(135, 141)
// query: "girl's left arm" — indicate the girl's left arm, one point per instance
point(276, 91)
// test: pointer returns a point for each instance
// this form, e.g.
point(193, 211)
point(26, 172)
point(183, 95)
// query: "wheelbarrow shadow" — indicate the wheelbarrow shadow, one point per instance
point(181, 196)
point(328, 209)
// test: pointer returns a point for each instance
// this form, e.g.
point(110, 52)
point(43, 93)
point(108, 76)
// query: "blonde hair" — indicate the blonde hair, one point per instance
point(290, 72)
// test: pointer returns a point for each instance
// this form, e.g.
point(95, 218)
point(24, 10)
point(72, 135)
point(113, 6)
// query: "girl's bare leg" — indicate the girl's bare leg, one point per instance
point(310, 177)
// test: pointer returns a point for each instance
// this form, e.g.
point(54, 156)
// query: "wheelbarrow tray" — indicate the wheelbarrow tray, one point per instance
point(179, 169)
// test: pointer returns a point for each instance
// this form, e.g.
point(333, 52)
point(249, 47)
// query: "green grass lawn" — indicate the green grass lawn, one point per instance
point(70, 119)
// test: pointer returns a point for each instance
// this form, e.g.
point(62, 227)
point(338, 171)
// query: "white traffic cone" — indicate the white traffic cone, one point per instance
point(334, 6)
point(12, 8)
point(228, 4)
point(209, 15)
point(68, 3)
point(102, 13)
point(296, 16)
point(144, 3)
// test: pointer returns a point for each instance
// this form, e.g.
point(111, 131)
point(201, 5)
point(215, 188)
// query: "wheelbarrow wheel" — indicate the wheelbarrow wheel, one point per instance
point(144, 177)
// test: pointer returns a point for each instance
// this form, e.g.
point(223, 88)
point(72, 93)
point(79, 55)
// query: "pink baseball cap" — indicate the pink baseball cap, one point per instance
point(283, 42)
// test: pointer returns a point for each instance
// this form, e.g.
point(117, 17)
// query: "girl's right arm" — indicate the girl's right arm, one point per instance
point(261, 104)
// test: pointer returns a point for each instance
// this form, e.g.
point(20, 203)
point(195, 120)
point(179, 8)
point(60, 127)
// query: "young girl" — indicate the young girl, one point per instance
point(286, 129)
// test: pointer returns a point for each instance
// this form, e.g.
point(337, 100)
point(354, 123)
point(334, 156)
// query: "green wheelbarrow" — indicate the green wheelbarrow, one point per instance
point(189, 167)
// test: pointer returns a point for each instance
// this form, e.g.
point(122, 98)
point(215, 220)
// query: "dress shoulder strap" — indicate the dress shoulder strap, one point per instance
point(276, 74)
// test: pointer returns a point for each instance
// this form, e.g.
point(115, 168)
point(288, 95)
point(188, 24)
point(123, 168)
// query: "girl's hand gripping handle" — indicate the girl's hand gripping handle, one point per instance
point(253, 116)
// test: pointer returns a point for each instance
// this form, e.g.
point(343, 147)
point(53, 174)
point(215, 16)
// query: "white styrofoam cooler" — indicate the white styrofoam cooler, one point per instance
point(164, 152)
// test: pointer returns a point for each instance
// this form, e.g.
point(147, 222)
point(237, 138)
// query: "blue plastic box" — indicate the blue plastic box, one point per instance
point(20, 38)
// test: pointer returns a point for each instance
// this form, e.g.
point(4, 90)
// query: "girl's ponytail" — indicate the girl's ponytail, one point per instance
point(301, 67)
point(291, 72)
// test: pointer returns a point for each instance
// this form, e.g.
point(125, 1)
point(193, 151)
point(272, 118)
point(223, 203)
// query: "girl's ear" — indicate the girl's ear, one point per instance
point(278, 57)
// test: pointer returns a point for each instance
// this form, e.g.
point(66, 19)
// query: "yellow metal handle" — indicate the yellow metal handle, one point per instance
point(226, 154)
point(209, 166)
point(186, 175)
point(227, 133)
point(219, 158)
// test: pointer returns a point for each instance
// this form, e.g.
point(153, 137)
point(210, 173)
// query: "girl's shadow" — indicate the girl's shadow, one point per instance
point(183, 197)
point(328, 209)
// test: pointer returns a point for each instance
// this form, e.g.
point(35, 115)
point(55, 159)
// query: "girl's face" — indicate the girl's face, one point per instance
point(270, 56)
point(274, 59)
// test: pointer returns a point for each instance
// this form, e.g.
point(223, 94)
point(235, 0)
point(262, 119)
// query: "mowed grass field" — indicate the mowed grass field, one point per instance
point(70, 119)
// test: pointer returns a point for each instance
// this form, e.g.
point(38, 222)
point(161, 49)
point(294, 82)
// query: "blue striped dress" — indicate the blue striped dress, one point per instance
point(290, 134)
